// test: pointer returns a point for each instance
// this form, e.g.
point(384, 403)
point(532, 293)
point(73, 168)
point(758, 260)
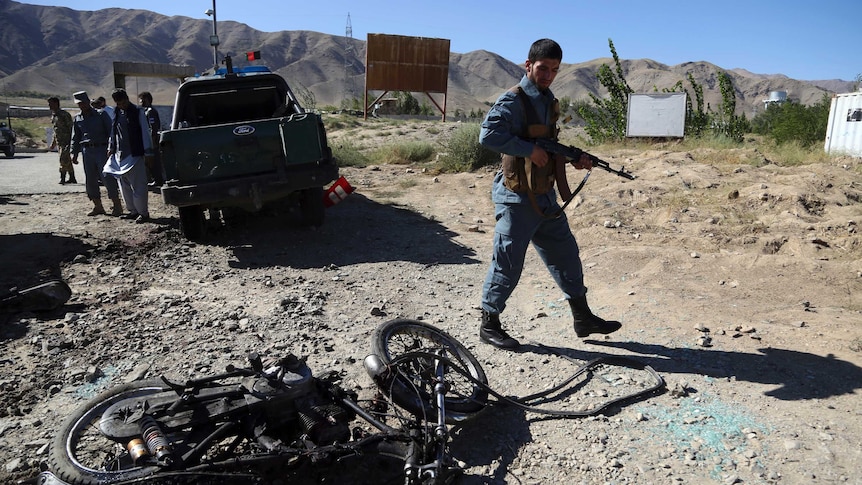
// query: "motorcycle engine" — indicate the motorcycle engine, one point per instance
point(298, 398)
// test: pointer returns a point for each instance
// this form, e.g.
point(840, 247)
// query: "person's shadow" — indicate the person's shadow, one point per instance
point(798, 375)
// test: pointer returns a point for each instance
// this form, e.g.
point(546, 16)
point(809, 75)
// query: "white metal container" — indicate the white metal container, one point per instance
point(778, 96)
point(844, 130)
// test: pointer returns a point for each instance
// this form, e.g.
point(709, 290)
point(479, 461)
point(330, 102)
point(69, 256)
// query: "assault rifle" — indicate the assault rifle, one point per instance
point(574, 153)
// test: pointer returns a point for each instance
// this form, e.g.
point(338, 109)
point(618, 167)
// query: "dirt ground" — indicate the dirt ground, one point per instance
point(739, 284)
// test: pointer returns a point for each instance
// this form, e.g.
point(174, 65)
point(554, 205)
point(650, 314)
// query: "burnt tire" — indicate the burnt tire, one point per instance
point(312, 210)
point(77, 453)
point(413, 387)
point(192, 222)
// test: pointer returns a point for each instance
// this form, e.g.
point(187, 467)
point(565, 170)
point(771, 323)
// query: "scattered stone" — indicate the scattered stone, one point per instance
point(138, 373)
point(679, 389)
point(13, 465)
point(93, 373)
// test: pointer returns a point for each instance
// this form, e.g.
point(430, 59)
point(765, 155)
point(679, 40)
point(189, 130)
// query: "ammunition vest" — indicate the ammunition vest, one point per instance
point(521, 175)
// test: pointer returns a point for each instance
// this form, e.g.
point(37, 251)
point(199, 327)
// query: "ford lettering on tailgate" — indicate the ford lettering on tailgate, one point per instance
point(243, 130)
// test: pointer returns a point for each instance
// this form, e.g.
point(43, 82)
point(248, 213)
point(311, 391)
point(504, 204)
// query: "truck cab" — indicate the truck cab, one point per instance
point(239, 138)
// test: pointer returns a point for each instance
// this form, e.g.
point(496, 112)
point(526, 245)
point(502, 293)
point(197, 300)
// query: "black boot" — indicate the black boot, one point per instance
point(491, 332)
point(62, 178)
point(72, 179)
point(586, 323)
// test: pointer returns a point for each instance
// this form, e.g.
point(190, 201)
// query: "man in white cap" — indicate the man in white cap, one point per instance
point(90, 132)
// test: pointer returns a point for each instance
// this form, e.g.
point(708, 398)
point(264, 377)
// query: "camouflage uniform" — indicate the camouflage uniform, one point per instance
point(62, 122)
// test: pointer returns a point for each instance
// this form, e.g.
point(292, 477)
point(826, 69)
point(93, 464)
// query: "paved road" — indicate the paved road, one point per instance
point(36, 173)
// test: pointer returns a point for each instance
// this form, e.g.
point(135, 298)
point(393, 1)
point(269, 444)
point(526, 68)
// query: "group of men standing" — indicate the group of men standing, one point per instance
point(118, 148)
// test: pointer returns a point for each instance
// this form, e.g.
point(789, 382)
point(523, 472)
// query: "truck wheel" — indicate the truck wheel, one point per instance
point(311, 206)
point(192, 222)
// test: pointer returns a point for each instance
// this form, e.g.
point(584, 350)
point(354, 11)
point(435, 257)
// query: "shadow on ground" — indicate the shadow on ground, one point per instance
point(358, 230)
point(798, 375)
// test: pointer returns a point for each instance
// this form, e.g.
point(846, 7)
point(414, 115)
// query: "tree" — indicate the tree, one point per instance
point(726, 122)
point(792, 121)
point(606, 118)
point(696, 119)
point(406, 104)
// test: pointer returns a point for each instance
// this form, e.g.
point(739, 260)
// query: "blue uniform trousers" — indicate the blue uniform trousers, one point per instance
point(517, 226)
point(94, 160)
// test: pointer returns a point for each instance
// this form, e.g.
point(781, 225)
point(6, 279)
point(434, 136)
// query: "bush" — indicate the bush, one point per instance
point(410, 152)
point(794, 122)
point(347, 154)
point(464, 153)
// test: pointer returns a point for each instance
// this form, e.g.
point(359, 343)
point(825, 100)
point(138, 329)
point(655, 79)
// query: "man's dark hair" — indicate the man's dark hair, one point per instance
point(119, 94)
point(53, 99)
point(146, 95)
point(545, 49)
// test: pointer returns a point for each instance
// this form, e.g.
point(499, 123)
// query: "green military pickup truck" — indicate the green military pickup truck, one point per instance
point(239, 138)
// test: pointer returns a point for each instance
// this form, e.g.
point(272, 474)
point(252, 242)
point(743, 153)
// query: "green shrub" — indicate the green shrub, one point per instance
point(401, 153)
point(794, 122)
point(464, 153)
point(347, 154)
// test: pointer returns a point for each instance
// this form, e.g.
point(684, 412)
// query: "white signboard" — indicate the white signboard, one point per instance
point(656, 115)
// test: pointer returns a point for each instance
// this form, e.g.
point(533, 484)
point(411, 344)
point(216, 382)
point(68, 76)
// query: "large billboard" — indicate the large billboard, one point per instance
point(400, 63)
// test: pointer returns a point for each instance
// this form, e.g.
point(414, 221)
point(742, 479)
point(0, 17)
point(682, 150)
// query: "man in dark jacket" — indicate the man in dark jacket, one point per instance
point(128, 146)
point(154, 163)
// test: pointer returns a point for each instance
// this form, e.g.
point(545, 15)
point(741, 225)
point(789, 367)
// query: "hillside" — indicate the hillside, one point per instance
point(69, 50)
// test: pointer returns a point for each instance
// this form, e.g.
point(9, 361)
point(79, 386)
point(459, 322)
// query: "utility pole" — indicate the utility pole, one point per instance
point(214, 38)
point(349, 91)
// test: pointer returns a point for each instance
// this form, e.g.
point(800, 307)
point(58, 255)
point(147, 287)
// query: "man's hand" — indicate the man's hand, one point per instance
point(583, 163)
point(539, 156)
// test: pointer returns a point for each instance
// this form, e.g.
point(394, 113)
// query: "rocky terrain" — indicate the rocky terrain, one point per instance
point(736, 278)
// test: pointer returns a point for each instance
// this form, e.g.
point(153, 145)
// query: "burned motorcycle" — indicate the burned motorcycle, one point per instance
point(275, 422)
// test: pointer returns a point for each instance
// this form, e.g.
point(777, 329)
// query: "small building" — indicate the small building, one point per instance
point(844, 129)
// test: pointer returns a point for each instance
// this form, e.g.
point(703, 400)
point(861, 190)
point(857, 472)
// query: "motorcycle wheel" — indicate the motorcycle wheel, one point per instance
point(413, 389)
point(81, 455)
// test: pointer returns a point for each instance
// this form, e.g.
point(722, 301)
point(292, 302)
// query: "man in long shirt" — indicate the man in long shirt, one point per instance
point(61, 120)
point(154, 163)
point(529, 110)
point(90, 132)
point(129, 144)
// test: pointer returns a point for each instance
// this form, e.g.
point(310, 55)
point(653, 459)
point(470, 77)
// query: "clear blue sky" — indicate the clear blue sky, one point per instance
point(803, 39)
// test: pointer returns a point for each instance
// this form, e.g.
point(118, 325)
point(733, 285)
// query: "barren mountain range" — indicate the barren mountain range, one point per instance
point(57, 50)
